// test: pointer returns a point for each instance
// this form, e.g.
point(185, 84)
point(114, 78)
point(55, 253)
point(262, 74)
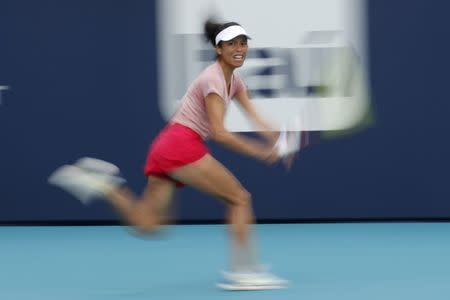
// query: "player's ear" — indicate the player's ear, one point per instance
point(218, 50)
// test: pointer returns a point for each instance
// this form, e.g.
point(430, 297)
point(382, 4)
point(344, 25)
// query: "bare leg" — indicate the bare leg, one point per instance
point(210, 176)
point(243, 254)
point(147, 213)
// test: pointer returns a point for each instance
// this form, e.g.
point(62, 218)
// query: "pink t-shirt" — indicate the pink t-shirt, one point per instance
point(192, 110)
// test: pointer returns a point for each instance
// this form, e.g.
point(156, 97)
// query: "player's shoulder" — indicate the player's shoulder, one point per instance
point(211, 70)
point(211, 73)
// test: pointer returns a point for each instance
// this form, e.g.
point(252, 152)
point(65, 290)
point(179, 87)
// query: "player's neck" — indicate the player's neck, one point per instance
point(227, 71)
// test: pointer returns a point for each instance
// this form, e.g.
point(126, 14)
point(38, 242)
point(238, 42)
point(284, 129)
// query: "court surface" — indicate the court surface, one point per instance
point(350, 261)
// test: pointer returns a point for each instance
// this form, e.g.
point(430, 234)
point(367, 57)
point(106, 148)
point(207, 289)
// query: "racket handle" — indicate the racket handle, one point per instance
point(281, 144)
point(288, 143)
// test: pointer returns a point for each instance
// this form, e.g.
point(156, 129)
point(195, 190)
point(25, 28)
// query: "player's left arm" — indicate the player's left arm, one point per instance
point(266, 129)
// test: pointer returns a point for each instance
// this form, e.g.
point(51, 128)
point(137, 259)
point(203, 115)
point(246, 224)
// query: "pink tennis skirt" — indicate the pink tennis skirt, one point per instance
point(174, 147)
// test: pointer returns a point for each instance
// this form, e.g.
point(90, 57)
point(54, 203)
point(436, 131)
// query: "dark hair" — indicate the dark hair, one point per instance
point(212, 29)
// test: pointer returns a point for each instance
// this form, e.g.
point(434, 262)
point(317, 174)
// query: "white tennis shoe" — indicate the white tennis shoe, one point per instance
point(93, 180)
point(251, 281)
point(97, 165)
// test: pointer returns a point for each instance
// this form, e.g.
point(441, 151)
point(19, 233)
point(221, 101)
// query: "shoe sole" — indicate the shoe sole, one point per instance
point(237, 287)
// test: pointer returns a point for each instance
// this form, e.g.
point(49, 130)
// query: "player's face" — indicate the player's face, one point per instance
point(234, 52)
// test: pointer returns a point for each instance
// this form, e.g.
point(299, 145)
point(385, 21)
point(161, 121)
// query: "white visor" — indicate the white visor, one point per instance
point(230, 33)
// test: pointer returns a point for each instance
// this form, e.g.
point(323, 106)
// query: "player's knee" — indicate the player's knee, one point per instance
point(242, 198)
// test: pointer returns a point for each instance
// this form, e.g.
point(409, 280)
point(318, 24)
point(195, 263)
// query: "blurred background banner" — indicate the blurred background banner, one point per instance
point(306, 59)
point(92, 78)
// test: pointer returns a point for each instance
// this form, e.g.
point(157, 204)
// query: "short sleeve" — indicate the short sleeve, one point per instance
point(212, 86)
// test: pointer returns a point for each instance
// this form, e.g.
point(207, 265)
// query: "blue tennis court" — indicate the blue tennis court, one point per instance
point(322, 261)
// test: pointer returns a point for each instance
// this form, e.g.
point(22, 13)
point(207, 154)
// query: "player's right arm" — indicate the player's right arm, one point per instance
point(215, 110)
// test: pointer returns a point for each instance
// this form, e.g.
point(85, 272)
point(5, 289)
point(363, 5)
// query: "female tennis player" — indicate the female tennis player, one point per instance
point(178, 156)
